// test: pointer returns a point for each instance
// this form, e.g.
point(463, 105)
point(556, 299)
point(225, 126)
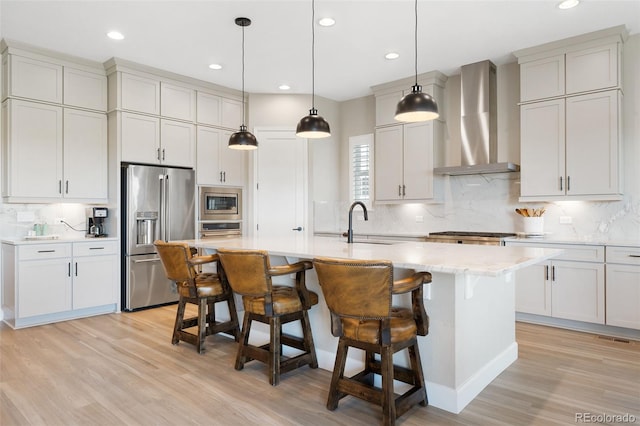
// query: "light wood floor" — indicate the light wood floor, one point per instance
point(121, 369)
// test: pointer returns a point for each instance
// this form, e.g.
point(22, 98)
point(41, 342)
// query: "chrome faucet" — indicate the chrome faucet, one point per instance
point(366, 217)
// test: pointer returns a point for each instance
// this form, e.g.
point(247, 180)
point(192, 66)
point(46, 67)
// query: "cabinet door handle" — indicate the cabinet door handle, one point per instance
point(553, 273)
point(60, 186)
point(568, 183)
point(66, 187)
point(158, 154)
point(69, 269)
point(96, 248)
point(224, 176)
point(76, 269)
point(162, 154)
point(221, 177)
point(46, 251)
point(403, 190)
point(560, 183)
point(399, 190)
point(546, 272)
point(634, 255)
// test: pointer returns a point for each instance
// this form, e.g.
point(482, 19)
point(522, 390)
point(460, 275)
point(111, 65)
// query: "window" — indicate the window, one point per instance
point(361, 168)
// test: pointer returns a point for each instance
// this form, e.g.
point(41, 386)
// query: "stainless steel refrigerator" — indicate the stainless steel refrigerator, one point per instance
point(157, 203)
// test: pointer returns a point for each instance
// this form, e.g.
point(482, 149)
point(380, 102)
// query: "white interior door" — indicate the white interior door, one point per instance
point(280, 185)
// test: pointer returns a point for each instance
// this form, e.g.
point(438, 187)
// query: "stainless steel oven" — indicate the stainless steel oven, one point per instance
point(220, 203)
point(220, 229)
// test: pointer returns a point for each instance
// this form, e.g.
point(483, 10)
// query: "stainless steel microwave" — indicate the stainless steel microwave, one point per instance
point(220, 203)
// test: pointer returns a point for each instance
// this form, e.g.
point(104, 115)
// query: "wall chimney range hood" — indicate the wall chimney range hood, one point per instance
point(478, 123)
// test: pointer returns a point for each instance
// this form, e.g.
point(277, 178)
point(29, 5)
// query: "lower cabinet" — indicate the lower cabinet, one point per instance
point(49, 282)
point(623, 286)
point(571, 286)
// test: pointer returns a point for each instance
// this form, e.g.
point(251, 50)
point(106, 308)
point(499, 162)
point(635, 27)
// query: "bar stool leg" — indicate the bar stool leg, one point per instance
point(202, 324)
point(244, 341)
point(388, 398)
point(177, 328)
point(275, 350)
point(338, 374)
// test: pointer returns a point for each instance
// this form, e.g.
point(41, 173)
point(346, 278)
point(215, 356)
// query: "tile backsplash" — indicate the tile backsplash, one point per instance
point(486, 203)
point(16, 220)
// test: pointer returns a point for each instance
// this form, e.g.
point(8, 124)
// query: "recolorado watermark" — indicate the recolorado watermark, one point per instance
point(605, 418)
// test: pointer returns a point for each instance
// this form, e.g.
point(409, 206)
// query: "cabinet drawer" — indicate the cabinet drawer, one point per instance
point(575, 252)
point(95, 248)
point(623, 255)
point(44, 251)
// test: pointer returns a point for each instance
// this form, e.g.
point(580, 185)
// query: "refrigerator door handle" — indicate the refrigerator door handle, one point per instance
point(155, 259)
point(163, 208)
point(166, 208)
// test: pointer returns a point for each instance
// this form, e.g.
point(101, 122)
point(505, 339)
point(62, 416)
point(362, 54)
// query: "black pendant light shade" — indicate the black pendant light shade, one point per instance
point(243, 139)
point(416, 106)
point(313, 126)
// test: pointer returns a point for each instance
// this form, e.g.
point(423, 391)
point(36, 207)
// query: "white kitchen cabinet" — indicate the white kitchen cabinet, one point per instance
point(140, 138)
point(177, 143)
point(140, 94)
point(85, 155)
point(64, 156)
point(231, 114)
point(542, 78)
point(386, 108)
point(52, 281)
point(95, 266)
point(152, 140)
point(404, 162)
point(218, 111)
point(85, 89)
point(571, 286)
point(593, 68)
point(623, 286)
point(217, 164)
point(570, 148)
point(32, 78)
point(32, 154)
point(177, 102)
point(592, 144)
point(44, 274)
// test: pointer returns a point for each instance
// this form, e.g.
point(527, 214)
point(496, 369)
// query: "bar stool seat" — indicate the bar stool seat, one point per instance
point(250, 274)
point(203, 289)
point(359, 296)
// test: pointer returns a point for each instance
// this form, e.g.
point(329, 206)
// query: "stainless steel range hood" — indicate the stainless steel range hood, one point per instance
point(478, 123)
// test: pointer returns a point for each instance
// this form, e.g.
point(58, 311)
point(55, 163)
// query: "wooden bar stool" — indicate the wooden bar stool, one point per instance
point(201, 289)
point(359, 296)
point(250, 274)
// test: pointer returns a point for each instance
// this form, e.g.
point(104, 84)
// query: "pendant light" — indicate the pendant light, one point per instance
point(313, 126)
point(416, 106)
point(243, 139)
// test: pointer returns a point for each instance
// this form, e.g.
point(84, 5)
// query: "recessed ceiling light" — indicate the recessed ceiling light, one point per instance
point(215, 66)
point(284, 87)
point(115, 35)
point(568, 4)
point(327, 22)
point(392, 55)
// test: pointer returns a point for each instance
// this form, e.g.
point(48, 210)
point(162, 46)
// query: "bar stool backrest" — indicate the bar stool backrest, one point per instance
point(247, 271)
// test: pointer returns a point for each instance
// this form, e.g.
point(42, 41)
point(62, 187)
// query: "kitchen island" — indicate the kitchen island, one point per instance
point(470, 303)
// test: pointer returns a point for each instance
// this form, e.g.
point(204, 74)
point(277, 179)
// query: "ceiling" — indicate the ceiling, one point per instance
point(185, 36)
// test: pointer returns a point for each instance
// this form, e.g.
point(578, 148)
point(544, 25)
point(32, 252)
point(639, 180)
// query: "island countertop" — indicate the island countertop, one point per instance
point(423, 256)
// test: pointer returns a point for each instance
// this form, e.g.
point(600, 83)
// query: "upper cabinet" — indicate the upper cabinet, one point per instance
point(162, 118)
point(405, 154)
point(32, 78)
point(177, 102)
point(140, 94)
point(54, 138)
point(570, 118)
point(218, 111)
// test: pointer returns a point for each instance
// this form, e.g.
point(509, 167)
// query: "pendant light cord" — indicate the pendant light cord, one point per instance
point(243, 107)
point(415, 41)
point(313, 55)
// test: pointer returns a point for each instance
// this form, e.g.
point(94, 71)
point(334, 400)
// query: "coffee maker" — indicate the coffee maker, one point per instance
point(96, 217)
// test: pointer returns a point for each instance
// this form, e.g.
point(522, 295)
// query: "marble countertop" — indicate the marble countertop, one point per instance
point(432, 257)
point(51, 239)
point(586, 240)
